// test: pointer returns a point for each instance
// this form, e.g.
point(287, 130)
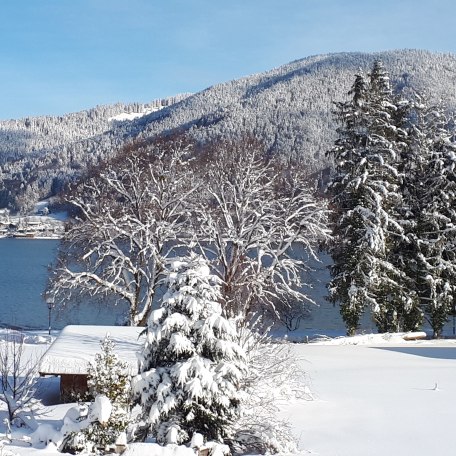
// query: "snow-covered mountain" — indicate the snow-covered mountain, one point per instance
point(39, 154)
point(289, 108)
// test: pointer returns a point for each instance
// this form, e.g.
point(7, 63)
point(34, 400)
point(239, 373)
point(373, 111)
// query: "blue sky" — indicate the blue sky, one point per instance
point(60, 56)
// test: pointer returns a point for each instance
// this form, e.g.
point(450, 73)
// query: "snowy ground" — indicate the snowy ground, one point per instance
point(374, 395)
point(377, 398)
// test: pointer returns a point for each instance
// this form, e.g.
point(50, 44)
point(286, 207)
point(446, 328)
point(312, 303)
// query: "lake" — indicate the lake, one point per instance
point(23, 276)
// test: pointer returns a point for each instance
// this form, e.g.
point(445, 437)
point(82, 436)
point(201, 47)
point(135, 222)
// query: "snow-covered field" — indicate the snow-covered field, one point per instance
point(377, 398)
point(373, 395)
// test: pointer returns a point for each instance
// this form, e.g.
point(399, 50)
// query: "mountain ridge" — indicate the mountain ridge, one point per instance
point(289, 108)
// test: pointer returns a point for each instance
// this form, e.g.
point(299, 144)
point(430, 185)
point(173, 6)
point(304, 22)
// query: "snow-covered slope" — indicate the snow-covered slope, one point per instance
point(39, 154)
point(126, 116)
point(289, 108)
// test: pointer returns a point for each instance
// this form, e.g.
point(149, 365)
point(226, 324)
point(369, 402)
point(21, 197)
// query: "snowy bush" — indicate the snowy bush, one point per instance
point(191, 365)
point(274, 375)
point(90, 429)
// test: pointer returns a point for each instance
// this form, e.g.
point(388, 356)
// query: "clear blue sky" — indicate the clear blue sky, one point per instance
point(60, 56)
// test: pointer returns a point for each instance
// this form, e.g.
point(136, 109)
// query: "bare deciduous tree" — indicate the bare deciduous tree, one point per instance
point(248, 217)
point(18, 374)
point(132, 215)
point(252, 218)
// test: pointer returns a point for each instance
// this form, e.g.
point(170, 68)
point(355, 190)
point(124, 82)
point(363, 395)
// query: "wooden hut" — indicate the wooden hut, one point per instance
point(76, 346)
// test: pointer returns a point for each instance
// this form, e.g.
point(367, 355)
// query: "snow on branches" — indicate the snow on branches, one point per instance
point(256, 220)
point(393, 198)
point(430, 173)
point(365, 198)
point(191, 364)
point(131, 214)
point(103, 423)
point(252, 216)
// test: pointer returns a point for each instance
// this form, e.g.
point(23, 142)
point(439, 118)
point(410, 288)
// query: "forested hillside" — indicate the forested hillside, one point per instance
point(289, 108)
point(39, 154)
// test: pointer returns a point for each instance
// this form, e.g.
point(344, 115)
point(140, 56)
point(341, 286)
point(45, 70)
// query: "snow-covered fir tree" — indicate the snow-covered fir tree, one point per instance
point(191, 365)
point(430, 196)
point(397, 308)
point(108, 375)
point(109, 384)
point(366, 196)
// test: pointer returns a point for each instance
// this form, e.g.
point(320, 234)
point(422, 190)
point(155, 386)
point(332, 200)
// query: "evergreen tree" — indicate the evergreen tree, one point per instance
point(431, 196)
point(108, 376)
point(365, 197)
point(191, 364)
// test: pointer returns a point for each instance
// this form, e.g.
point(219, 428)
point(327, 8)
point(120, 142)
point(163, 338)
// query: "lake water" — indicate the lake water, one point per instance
point(23, 276)
point(23, 272)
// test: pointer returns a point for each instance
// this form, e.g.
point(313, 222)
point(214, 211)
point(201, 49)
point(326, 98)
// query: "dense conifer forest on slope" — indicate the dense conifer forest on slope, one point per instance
point(289, 109)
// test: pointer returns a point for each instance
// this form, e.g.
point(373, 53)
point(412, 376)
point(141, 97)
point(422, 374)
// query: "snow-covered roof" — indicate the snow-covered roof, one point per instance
point(77, 345)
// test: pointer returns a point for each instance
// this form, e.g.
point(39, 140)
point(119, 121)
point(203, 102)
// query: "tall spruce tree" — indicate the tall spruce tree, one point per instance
point(431, 198)
point(365, 197)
